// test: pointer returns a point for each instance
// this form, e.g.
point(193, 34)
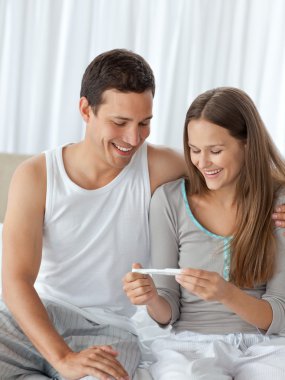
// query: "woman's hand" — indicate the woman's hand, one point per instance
point(139, 288)
point(209, 286)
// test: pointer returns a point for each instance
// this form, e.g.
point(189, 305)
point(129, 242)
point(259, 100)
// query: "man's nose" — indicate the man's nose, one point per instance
point(132, 136)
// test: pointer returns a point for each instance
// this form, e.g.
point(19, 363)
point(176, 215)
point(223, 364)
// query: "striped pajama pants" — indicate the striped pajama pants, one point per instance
point(19, 360)
point(191, 356)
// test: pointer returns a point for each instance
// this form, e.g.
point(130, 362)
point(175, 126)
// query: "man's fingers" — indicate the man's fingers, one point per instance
point(279, 208)
point(108, 373)
point(278, 221)
point(106, 363)
point(279, 216)
point(109, 349)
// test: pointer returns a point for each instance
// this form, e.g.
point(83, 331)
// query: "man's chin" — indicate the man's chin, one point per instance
point(121, 163)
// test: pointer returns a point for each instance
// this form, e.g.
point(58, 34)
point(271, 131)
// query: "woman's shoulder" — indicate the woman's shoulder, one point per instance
point(167, 203)
point(279, 195)
point(170, 188)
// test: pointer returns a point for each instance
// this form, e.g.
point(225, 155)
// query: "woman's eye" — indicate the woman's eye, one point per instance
point(216, 152)
point(194, 151)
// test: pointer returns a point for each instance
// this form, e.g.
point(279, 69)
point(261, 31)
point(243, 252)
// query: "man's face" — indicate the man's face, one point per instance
point(120, 127)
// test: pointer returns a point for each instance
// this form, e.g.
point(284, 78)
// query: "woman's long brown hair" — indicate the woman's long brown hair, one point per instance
point(253, 247)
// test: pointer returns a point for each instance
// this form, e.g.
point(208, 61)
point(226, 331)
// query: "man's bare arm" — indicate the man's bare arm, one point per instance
point(165, 165)
point(22, 249)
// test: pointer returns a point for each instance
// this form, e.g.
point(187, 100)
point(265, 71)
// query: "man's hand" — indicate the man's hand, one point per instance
point(97, 361)
point(139, 287)
point(279, 216)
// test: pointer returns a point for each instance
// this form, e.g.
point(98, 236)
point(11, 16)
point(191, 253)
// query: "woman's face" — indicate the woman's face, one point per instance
point(216, 154)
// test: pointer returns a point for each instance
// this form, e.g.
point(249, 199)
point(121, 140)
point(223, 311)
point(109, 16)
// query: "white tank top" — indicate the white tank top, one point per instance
point(92, 237)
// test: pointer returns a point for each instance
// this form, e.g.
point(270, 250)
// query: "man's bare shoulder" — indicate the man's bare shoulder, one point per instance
point(164, 151)
point(28, 186)
point(165, 165)
point(23, 223)
point(30, 171)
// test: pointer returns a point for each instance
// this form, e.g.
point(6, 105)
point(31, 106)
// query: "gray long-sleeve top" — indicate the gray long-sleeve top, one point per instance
point(178, 240)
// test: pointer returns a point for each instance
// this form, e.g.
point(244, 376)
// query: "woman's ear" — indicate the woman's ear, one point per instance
point(84, 109)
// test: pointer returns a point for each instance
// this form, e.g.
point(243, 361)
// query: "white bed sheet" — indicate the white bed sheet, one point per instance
point(142, 374)
point(148, 330)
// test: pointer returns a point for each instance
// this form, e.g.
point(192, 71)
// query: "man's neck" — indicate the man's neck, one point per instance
point(84, 168)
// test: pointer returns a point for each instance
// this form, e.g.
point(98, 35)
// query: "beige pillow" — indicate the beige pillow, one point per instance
point(8, 164)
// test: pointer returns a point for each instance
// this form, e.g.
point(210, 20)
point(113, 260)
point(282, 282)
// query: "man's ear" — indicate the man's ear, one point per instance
point(84, 109)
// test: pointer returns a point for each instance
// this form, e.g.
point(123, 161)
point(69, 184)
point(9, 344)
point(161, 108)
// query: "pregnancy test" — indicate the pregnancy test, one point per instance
point(165, 272)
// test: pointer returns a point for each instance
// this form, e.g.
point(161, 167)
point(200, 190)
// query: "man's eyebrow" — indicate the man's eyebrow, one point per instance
point(129, 119)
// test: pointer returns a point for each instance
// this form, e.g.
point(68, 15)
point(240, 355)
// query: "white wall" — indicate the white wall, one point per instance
point(192, 45)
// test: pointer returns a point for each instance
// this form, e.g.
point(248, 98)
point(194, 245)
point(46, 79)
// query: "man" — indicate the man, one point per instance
point(77, 218)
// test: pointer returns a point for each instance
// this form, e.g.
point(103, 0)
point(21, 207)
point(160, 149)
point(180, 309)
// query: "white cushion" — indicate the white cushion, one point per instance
point(1, 225)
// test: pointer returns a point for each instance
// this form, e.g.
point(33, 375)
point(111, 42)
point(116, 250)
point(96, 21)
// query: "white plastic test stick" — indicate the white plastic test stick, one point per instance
point(165, 272)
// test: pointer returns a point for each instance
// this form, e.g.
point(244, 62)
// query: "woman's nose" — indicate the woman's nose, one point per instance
point(204, 161)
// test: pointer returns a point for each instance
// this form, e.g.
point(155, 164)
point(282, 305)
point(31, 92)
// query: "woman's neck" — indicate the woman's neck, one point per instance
point(216, 211)
point(223, 198)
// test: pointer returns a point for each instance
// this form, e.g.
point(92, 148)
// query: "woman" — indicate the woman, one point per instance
point(227, 307)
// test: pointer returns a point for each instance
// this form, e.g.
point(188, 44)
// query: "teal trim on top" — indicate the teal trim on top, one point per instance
point(226, 240)
point(227, 258)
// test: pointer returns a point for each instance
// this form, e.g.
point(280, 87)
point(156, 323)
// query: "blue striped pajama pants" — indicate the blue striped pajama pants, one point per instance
point(19, 360)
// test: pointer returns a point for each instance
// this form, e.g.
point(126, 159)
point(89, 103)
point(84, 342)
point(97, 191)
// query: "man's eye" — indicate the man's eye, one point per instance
point(119, 124)
point(146, 124)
